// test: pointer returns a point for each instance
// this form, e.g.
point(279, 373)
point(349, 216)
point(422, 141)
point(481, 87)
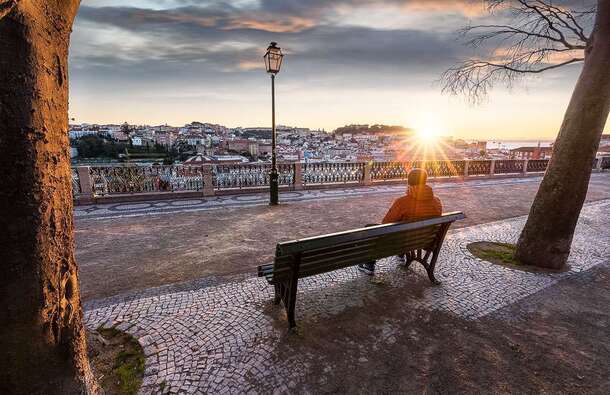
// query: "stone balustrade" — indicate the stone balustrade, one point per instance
point(116, 183)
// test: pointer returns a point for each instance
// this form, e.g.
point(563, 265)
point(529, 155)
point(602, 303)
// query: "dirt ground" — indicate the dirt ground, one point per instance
point(555, 341)
point(119, 255)
point(117, 361)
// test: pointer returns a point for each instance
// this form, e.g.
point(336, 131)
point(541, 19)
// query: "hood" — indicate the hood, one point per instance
point(423, 192)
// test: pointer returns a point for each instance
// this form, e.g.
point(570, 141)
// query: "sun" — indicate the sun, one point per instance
point(426, 135)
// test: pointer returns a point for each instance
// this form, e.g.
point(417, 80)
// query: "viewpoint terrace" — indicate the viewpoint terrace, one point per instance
point(180, 276)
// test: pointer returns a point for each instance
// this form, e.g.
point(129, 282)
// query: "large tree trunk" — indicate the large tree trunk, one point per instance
point(547, 236)
point(42, 337)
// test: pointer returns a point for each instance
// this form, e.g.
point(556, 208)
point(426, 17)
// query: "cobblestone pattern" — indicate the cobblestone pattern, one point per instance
point(221, 338)
point(118, 210)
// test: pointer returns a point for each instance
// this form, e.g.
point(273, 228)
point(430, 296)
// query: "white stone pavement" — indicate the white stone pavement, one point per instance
point(219, 337)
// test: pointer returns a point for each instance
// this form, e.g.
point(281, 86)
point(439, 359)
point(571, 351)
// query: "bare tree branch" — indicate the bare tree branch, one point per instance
point(538, 36)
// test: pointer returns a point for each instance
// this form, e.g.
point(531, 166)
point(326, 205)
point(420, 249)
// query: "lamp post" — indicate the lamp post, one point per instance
point(273, 61)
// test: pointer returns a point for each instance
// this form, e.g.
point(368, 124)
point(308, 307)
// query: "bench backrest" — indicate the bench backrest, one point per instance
point(330, 252)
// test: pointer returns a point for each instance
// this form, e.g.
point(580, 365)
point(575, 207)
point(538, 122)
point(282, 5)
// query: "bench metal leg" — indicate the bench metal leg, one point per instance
point(430, 266)
point(430, 271)
point(278, 294)
point(422, 257)
point(292, 298)
point(408, 257)
point(292, 291)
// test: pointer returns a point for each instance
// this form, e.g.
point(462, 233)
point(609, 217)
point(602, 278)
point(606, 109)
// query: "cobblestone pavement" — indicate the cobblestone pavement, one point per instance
point(219, 338)
point(119, 210)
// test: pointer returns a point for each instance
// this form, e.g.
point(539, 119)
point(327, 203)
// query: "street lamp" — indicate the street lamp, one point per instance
point(273, 63)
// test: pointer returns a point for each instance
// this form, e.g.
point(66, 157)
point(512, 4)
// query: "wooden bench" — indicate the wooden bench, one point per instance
point(420, 241)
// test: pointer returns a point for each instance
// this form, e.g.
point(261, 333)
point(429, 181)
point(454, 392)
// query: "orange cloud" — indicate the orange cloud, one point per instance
point(287, 24)
point(466, 7)
point(503, 54)
point(250, 65)
point(203, 21)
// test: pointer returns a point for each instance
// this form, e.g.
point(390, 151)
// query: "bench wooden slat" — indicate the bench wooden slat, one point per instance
point(397, 238)
point(350, 257)
point(404, 241)
point(265, 268)
point(328, 267)
point(311, 243)
point(339, 263)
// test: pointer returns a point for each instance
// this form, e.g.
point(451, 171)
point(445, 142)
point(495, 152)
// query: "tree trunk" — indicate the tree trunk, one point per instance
point(42, 337)
point(546, 239)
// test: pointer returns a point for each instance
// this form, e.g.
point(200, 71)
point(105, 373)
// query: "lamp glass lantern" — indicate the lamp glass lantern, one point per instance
point(273, 58)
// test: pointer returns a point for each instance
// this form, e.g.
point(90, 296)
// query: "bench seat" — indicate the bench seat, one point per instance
point(420, 241)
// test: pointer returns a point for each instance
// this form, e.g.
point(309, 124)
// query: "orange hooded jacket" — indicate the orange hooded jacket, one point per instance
point(418, 203)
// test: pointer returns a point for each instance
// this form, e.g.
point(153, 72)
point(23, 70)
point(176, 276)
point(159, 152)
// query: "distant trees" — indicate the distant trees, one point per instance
point(371, 129)
point(96, 146)
point(539, 36)
point(126, 129)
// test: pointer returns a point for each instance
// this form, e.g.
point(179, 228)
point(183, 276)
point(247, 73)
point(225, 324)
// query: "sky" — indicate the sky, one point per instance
point(346, 61)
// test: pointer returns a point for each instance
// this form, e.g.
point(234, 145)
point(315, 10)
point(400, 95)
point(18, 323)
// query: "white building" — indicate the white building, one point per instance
point(137, 141)
point(76, 134)
point(195, 140)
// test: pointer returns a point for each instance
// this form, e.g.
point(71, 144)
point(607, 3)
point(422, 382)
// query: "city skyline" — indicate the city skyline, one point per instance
point(353, 61)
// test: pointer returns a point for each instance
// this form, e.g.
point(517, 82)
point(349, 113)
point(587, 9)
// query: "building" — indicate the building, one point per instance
point(119, 136)
point(198, 139)
point(165, 138)
point(531, 153)
point(243, 145)
point(78, 133)
point(137, 141)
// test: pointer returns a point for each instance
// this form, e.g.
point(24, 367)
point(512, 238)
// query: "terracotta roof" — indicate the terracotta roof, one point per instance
point(531, 149)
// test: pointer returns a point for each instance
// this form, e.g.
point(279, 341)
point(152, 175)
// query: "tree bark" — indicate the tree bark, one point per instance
point(42, 337)
point(547, 237)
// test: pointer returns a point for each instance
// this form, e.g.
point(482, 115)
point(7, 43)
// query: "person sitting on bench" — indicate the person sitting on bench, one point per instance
point(419, 203)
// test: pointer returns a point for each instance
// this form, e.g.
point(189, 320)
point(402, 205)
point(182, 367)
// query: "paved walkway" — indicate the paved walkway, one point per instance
point(123, 210)
point(229, 338)
point(125, 248)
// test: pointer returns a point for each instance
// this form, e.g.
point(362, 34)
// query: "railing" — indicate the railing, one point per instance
point(332, 173)
point(442, 168)
point(249, 175)
point(480, 168)
point(143, 179)
point(511, 166)
point(100, 181)
point(388, 171)
point(76, 184)
point(534, 165)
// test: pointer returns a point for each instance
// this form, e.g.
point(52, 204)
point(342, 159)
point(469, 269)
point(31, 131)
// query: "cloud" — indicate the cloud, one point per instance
point(187, 48)
point(285, 25)
point(213, 36)
point(470, 8)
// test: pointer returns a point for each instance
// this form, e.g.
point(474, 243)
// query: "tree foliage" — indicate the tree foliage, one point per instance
point(95, 146)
